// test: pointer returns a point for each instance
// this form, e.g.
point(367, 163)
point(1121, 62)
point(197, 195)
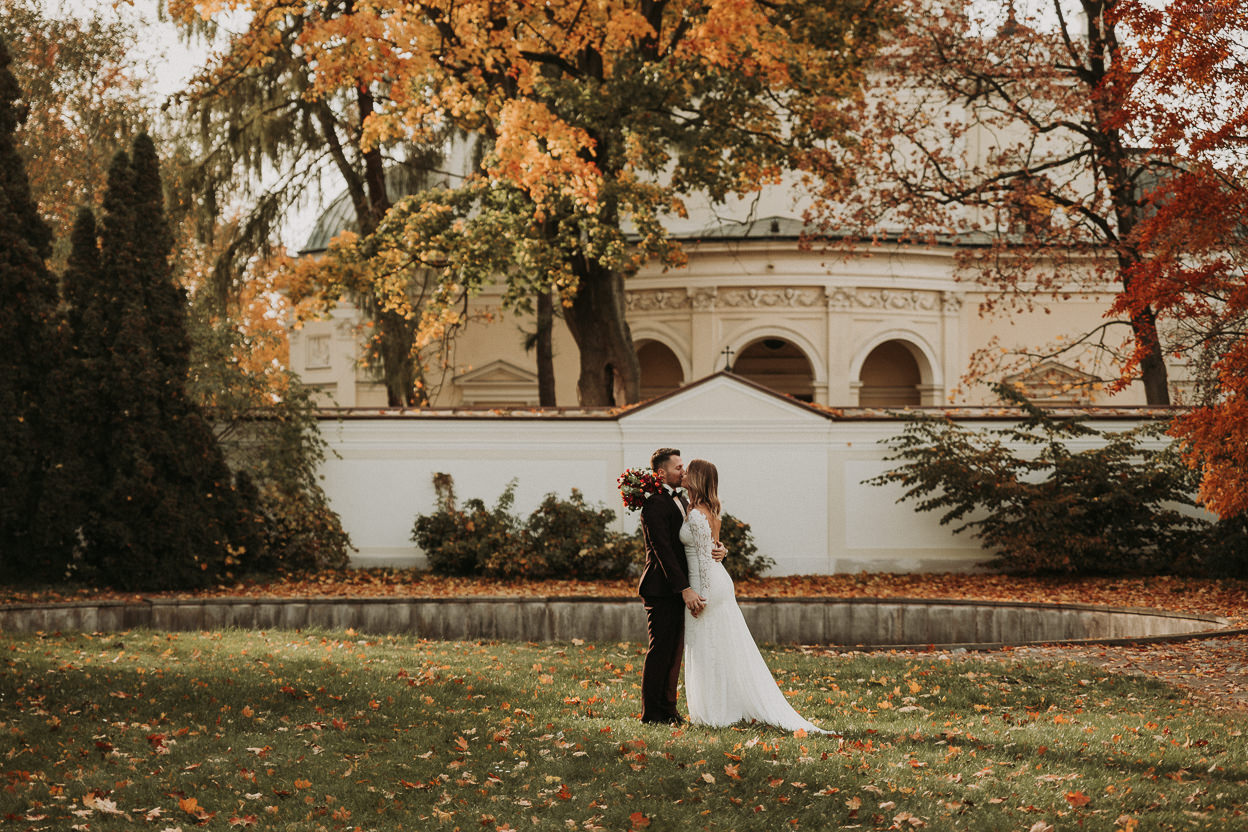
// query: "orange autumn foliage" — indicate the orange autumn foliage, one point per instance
point(592, 117)
point(1185, 92)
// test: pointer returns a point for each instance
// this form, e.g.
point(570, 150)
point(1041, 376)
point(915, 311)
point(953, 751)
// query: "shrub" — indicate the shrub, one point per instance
point(1114, 509)
point(302, 533)
point(572, 540)
point(1224, 549)
point(560, 539)
point(267, 424)
point(743, 562)
point(463, 542)
point(621, 556)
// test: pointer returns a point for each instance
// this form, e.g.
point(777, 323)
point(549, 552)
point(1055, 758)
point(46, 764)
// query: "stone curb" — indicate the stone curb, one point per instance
point(851, 623)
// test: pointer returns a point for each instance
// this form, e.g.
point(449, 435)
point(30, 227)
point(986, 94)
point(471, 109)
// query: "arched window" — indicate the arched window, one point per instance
point(778, 364)
point(890, 377)
point(660, 369)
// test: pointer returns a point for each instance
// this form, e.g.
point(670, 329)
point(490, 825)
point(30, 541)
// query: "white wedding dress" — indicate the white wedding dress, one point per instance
point(726, 679)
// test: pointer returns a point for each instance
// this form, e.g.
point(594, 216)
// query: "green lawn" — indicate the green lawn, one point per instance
point(285, 730)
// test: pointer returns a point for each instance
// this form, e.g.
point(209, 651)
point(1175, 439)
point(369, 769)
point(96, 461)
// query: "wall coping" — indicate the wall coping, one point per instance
point(158, 612)
point(613, 599)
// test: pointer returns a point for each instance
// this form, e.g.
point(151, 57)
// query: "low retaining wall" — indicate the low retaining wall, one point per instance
point(874, 622)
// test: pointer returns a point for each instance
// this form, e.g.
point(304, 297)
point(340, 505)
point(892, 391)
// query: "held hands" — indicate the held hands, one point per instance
point(694, 602)
point(719, 551)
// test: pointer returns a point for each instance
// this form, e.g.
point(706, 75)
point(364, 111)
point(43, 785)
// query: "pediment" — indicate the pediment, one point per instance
point(497, 372)
point(1052, 379)
point(724, 399)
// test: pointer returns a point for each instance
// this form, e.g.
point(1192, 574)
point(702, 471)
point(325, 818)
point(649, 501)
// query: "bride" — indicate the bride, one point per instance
point(726, 679)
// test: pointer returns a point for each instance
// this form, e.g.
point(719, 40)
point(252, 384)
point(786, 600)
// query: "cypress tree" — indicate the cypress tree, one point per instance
point(30, 350)
point(167, 514)
point(85, 383)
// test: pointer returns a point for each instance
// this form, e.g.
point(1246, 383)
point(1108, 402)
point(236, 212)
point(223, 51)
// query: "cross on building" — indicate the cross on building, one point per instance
point(727, 354)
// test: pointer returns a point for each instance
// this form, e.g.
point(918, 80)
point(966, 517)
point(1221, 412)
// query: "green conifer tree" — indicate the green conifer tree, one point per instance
point(167, 515)
point(30, 350)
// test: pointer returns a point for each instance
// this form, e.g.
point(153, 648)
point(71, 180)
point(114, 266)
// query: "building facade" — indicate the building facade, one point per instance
point(892, 325)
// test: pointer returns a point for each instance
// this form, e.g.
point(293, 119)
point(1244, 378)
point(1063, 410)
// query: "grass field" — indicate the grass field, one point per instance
point(285, 730)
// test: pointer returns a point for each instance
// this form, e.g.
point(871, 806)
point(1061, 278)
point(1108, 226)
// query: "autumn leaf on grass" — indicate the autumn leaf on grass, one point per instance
point(101, 804)
point(563, 793)
point(733, 770)
point(303, 784)
point(191, 806)
point(1077, 799)
point(638, 821)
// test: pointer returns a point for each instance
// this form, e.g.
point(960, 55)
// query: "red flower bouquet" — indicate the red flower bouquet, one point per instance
point(636, 484)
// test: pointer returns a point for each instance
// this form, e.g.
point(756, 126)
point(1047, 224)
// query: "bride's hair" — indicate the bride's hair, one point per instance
point(703, 483)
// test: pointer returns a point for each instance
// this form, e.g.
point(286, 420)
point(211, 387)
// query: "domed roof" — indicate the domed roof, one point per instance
point(339, 215)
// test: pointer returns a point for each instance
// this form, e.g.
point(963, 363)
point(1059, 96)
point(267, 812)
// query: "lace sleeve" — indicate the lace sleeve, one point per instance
point(700, 528)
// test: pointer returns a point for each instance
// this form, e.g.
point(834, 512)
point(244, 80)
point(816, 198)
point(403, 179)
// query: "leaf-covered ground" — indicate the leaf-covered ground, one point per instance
point(307, 731)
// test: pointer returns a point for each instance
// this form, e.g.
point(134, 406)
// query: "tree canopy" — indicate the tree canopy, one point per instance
point(1005, 131)
point(84, 94)
point(1185, 89)
point(595, 120)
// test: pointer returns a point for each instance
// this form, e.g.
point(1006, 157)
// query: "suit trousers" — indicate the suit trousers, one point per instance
point(660, 673)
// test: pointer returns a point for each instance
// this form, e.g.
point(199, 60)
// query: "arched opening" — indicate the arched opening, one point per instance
point(780, 365)
point(660, 369)
point(890, 377)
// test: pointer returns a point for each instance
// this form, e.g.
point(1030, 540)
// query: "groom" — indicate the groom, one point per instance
point(665, 589)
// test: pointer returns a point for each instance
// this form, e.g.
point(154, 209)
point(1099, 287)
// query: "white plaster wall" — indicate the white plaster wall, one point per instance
point(794, 475)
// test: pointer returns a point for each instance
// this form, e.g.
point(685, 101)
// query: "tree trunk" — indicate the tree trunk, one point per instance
point(395, 334)
point(1153, 365)
point(545, 349)
point(596, 321)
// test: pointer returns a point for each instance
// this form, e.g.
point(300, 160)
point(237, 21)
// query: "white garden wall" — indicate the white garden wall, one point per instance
point(792, 472)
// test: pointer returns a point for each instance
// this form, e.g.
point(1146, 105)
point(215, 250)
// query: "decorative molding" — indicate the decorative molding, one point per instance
point(912, 300)
point(652, 299)
point(840, 299)
point(952, 301)
point(703, 298)
point(318, 352)
point(789, 296)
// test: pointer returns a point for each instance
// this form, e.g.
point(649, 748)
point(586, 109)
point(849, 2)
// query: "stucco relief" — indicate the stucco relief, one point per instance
point(703, 298)
point(652, 299)
point(951, 301)
point(840, 299)
point(318, 351)
point(912, 300)
point(759, 297)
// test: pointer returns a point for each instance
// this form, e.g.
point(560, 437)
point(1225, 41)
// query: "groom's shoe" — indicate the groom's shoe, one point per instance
point(676, 720)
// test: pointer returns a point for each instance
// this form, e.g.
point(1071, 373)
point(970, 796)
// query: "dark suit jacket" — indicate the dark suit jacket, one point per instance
point(665, 573)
